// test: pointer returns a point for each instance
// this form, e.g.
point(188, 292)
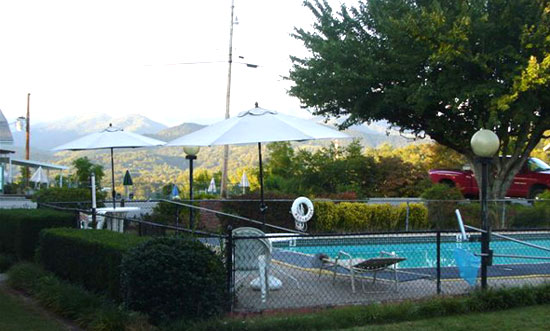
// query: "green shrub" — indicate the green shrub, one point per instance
point(19, 229)
point(90, 258)
point(6, 261)
point(418, 216)
point(65, 194)
point(88, 310)
point(441, 213)
point(348, 317)
point(174, 277)
point(278, 212)
point(362, 217)
point(325, 217)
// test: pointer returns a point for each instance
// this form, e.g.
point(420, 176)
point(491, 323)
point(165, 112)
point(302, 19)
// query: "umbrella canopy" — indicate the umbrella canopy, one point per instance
point(258, 125)
point(40, 176)
point(212, 186)
point(175, 192)
point(127, 179)
point(244, 183)
point(110, 138)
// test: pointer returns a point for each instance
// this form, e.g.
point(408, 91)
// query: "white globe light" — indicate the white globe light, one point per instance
point(191, 150)
point(485, 143)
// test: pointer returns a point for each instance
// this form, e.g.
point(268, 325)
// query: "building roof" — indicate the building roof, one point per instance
point(33, 164)
point(5, 132)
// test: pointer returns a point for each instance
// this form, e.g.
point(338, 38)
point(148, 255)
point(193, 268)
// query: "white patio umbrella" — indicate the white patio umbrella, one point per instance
point(244, 183)
point(40, 177)
point(212, 186)
point(110, 138)
point(259, 126)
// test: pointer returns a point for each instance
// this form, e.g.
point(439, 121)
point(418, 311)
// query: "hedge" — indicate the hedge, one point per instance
point(19, 229)
point(88, 310)
point(362, 217)
point(91, 258)
point(81, 197)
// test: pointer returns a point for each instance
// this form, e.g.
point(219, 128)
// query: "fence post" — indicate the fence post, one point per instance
point(229, 266)
point(407, 217)
point(503, 216)
point(438, 243)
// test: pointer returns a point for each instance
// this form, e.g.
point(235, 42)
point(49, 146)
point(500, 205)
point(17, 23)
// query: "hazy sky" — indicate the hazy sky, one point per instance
point(120, 57)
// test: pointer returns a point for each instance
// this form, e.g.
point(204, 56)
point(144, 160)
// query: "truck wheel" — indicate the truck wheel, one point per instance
point(536, 191)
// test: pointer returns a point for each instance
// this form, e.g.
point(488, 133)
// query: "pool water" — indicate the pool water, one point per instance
point(421, 254)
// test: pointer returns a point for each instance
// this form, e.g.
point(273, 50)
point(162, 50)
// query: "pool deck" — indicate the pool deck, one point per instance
point(313, 289)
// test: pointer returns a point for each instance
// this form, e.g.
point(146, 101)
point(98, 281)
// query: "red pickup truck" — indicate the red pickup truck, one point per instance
point(529, 182)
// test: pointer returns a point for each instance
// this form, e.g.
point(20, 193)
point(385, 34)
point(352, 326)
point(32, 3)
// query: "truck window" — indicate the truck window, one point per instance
point(535, 164)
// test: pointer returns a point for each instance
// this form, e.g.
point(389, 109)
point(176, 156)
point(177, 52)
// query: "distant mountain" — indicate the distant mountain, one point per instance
point(177, 131)
point(48, 135)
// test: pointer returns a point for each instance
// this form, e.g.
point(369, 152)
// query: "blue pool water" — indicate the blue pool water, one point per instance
point(424, 254)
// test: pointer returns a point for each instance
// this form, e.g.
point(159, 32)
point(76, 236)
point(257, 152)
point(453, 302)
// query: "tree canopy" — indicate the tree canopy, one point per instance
point(442, 68)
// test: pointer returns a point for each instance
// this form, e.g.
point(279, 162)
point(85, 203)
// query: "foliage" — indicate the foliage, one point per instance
point(248, 205)
point(88, 310)
point(90, 258)
point(84, 169)
point(433, 68)
point(19, 229)
point(362, 217)
point(174, 277)
point(6, 261)
point(377, 313)
point(65, 194)
point(442, 202)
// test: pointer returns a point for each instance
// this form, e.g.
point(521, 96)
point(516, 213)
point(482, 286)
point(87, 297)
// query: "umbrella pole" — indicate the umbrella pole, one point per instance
point(263, 207)
point(113, 178)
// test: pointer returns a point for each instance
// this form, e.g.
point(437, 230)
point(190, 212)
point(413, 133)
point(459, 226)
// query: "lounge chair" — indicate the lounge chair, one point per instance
point(347, 265)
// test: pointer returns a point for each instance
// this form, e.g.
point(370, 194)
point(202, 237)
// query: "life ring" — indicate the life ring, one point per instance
point(298, 211)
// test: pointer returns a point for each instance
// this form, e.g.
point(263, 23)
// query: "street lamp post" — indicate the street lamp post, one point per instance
point(485, 144)
point(191, 154)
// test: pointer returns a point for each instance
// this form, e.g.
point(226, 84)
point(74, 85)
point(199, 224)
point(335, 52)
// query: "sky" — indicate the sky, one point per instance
point(146, 57)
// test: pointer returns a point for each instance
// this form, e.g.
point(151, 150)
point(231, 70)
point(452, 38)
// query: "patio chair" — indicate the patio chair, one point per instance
point(251, 255)
point(85, 221)
point(347, 265)
point(255, 254)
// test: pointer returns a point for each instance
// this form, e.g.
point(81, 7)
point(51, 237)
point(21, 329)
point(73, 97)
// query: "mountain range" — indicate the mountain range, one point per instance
point(154, 167)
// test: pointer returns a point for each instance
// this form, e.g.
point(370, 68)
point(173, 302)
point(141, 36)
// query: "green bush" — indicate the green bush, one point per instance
point(91, 258)
point(248, 205)
point(174, 277)
point(442, 202)
point(88, 310)
point(355, 316)
point(65, 194)
point(529, 217)
point(325, 217)
point(19, 229)
point(362, 217)
point(6, 261)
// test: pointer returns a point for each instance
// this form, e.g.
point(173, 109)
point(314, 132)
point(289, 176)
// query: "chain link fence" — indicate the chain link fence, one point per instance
point(272, 267)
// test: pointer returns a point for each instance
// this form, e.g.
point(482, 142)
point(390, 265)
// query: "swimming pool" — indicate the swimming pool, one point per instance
point(420, 251)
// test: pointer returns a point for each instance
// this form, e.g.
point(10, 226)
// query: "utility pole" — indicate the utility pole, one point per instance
point(223, 188)
point(28, 137)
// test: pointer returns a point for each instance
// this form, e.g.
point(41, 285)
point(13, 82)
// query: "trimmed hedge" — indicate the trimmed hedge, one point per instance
point(66, 194)
point(88, 310)
point(91, 258)
point(361, 316)
point(174, 277)
point(19, 229)
point(362, 217)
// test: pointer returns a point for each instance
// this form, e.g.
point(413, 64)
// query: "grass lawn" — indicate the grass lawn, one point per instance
point(16, 315)
point(530, 318)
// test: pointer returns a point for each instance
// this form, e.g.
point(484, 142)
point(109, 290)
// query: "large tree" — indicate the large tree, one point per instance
point(439, 68)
